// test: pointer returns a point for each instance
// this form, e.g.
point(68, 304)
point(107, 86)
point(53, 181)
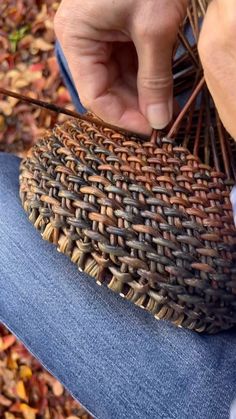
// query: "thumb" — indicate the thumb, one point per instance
point(155, 81)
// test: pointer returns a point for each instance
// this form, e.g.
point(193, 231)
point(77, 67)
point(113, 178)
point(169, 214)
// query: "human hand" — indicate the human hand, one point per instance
point(120, 56)
point(217, 49)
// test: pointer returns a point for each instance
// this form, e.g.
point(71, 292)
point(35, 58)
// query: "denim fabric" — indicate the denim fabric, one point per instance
point(115, 358)
point(65, 72)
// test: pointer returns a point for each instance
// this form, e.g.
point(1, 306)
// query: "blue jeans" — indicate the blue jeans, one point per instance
point(115, 358)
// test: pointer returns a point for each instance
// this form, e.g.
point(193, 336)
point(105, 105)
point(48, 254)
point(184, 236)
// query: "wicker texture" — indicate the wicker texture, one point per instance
point(145, 218)
point(149, 218)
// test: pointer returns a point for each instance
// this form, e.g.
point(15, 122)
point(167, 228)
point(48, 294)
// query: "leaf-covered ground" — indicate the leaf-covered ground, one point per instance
point(28, 66)
point(27, 390)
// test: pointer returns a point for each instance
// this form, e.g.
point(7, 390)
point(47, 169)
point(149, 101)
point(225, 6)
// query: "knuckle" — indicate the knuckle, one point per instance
point(144, 32)
point(167, 25)
point(150, 32)
point(156, 83)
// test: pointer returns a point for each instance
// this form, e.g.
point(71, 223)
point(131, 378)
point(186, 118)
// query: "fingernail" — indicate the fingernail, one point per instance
point(159, 115)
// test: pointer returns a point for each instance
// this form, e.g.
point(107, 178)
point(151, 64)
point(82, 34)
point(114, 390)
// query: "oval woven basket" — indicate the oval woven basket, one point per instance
point(149, 218)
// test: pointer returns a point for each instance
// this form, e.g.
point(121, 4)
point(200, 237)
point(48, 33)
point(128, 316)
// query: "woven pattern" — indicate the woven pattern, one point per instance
point(145, 218)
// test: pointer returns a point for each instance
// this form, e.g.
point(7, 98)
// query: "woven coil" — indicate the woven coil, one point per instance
point(145, 218)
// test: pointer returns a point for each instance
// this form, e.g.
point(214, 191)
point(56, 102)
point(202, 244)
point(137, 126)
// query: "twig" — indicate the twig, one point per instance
point(58, 109)
point(186, 107)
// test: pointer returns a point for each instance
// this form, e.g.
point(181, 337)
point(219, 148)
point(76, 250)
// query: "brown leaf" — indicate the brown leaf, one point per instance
point(2, 123)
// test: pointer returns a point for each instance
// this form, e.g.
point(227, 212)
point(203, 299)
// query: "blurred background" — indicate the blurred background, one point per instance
point(28, 66)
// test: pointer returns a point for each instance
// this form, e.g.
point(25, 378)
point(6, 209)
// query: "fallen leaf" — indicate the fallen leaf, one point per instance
point(25, 372)
point(4, 43)
point(43, 14)
point(3, 56)
point(12, 101)
point(13, 73)
point(11, 363)
point(4, 401)
point(20, 390)
point(15, 407)
point(40, 44)
point(8, 415)
point(2, 123)
point(23, 78)
point(6, 341)
point(39, 84)
point(62, 98)
point(27, 411)
point(53, 65)
point(37, 67)
point(57, 388)
point(6, 109)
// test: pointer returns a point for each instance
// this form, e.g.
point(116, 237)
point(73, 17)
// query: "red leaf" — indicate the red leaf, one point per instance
point(37, 67)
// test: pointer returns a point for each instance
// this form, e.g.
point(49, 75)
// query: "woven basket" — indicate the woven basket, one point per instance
point(149, 218)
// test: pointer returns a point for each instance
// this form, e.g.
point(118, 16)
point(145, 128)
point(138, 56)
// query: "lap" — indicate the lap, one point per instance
point(115, 358)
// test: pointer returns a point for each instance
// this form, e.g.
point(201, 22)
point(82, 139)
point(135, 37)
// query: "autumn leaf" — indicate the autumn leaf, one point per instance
point(25, 372)
point(15, 408)
point(2, 123)
point(6, 342)
point(57, 388)
point(8, 415)
point(20, 390)
point(39, 44)
point(11, 363)
point(28, 412)
point(4, 401)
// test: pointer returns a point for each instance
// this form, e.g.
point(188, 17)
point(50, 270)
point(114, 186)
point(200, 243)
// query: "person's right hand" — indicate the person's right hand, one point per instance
point(120, 56)
point(217, 49)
